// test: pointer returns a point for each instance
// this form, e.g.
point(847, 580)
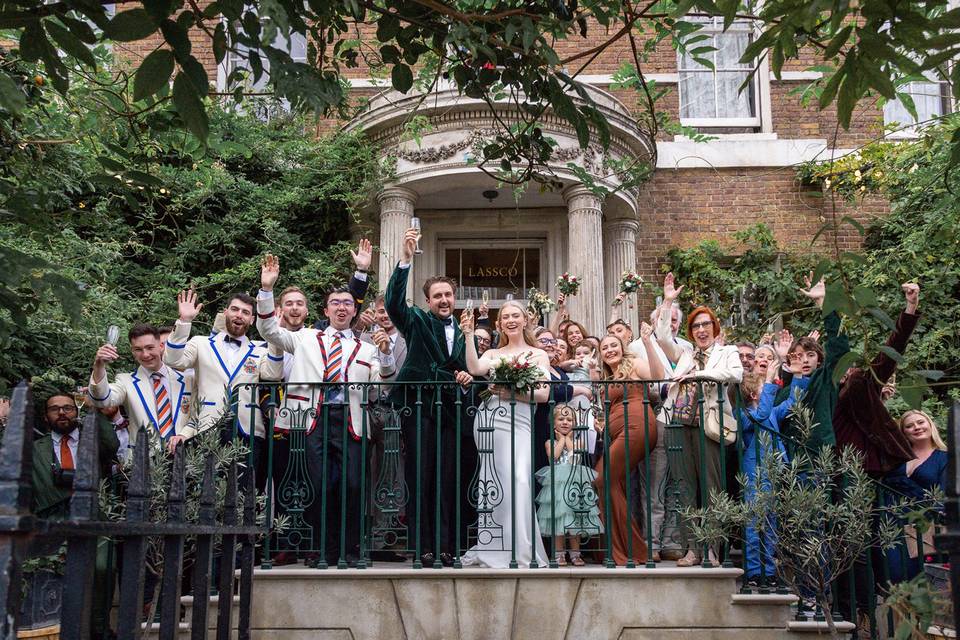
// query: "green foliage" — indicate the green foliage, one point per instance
point(752, 284)
point(131, 212)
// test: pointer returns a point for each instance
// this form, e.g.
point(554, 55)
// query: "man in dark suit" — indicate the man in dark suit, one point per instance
point(435, 353)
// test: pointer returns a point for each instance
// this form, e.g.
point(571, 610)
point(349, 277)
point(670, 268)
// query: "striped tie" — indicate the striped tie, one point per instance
point(164, 414)
point(332, 371)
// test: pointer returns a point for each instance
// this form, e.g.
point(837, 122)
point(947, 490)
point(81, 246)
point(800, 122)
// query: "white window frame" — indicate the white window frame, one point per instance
point(912, 130)
point(226, 67)
point(761, 80)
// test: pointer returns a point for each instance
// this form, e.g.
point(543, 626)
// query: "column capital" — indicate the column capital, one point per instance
point(578, 190)
point(398, 193)
point(623, 227)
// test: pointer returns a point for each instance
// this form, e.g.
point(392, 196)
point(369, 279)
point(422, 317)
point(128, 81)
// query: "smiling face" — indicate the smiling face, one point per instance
point(918, 429)
point(611, 351)
point(382, 317)
point(574, 335)
point(238, 317)
point(340, 310)
point(622, 331)
point(748, 357)
point(293, 310)
point(512, 320)
point(583, 350)
point(441, 299)
point(562, 348)
point(484, 340)
point(765, 358)
point(147, 351)
point(701, 330)
point(563, 421)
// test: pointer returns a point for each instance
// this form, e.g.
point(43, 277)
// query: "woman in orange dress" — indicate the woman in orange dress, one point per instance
point(618, 364)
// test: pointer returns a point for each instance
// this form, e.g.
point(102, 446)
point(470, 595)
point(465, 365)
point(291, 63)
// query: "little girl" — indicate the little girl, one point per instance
point(581, 356)
point(567, 503)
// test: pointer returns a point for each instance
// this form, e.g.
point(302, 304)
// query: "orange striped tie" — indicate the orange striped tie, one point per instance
point(332, 371)
point(164, 413)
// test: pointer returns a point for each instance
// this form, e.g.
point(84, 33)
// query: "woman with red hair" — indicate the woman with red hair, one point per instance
point(708, 362)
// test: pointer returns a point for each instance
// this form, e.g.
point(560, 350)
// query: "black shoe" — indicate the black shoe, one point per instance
point(386, 555)
point(427, 559)
point(446, 559)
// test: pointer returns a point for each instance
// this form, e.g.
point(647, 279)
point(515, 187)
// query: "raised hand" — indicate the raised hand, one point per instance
point(106, 353)
point(409, 244)
point(187, 305)
point(366, 319)
point(382, 340)
point(363, 256)
point(911, 291)
point(646, 331)
point(269, 271)
point(782, 345)
point(561, 300)
point(483, 311)
point(670, 291)
point(815, 292)
point(466, 322)
point(814, 334)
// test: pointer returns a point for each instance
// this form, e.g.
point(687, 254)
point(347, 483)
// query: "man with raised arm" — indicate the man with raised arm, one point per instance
point(435, 354)
point(336, 411)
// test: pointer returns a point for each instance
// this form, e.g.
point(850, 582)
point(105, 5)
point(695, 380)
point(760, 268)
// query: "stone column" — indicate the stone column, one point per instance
point(585, 256)
point(621, 256)
point(396, 209)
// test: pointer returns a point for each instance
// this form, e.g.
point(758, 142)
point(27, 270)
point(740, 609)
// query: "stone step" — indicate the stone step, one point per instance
point(818, 626)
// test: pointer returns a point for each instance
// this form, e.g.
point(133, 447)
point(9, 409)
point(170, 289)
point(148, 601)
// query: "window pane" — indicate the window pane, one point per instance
point(501, 271)
point(926, 98)
point(687, 61)
point(730, 46)
point(697, 99)
point(731, 102)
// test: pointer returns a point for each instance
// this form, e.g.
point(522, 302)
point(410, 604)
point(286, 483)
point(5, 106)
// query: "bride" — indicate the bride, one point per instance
point(507, 486)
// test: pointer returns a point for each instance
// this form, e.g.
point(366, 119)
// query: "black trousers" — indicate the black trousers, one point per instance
point(438, 485)
point(335, 466)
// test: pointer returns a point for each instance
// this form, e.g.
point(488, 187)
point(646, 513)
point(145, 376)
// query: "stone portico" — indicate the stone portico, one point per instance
point(485, 234)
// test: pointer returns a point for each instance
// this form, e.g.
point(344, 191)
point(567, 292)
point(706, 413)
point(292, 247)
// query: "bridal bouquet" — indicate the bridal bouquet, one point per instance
point(630, 282)
point(518, 372)
point(539, 302)
point(568, 285)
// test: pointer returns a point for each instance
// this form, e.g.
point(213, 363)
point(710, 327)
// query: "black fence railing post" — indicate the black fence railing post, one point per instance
point(82, 550)
point(173, 551)
point(949, 542)
point(228, 553)
point(247, 542)
point(135, 547)
point(15, 493)
point(201, 571)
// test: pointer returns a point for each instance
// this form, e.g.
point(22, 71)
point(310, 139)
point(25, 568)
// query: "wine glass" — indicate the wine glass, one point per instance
point(113, 335)
point(80, 398)
point(509, 296)
point(415, 223)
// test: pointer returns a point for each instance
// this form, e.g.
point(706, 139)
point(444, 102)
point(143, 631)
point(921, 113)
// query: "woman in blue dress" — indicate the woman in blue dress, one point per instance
point(914, 480)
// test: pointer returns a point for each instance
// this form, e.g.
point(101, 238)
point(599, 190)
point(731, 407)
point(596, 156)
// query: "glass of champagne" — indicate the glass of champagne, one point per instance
point(509, 296)
point(485, 296)
point(469, 308)
point(80, 398)
point(415, 223)
point(113, 335)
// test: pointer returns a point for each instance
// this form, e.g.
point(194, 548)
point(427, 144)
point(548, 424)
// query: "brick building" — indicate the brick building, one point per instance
point(475, 231)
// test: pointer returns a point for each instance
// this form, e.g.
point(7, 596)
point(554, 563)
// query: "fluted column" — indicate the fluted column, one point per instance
point(396, 209)
point(585, 255)
point(621, 256)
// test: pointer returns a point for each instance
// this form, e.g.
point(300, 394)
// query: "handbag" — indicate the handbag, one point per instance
point(711, 425)
point(911, 536)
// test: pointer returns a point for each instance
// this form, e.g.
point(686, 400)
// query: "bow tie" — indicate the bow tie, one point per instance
point(232, 340)
point(446, 321)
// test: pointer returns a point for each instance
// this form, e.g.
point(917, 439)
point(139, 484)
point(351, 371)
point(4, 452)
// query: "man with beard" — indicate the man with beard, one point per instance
point(153, 396)
point(336, 412)
point(226, 371)
point(436, 353)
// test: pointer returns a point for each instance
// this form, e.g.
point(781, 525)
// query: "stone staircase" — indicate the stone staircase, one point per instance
point(396, 602)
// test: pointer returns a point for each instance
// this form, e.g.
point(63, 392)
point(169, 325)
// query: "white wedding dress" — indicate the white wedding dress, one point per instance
point(505, 487)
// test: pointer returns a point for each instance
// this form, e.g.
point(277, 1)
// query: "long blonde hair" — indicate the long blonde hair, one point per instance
point(624, 369)
point(938, 442)
point(527, 333)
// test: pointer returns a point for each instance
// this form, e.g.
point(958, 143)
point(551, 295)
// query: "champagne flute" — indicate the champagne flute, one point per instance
point(415, 223)
point(113, 335)
point(485, 296)
point(469, 305)
point(509, 296)
point(80, 398)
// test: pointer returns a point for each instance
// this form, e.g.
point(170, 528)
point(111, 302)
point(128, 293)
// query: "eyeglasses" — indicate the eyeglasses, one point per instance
point(340, 303)
point(547, 341)
point(701, 325)
point(483, 340)
point(67, 408)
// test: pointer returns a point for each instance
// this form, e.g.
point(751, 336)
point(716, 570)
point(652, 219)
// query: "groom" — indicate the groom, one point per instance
point(435, 353)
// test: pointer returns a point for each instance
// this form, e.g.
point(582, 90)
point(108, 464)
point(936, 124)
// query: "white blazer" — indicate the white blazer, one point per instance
point(723, 366)
point(214, 380)
point(301, 405)
point(134, 391)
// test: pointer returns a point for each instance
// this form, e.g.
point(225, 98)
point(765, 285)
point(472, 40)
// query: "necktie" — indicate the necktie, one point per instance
point(701, 357)
point(164, 414)
point(66, 456)
point(332, 371)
